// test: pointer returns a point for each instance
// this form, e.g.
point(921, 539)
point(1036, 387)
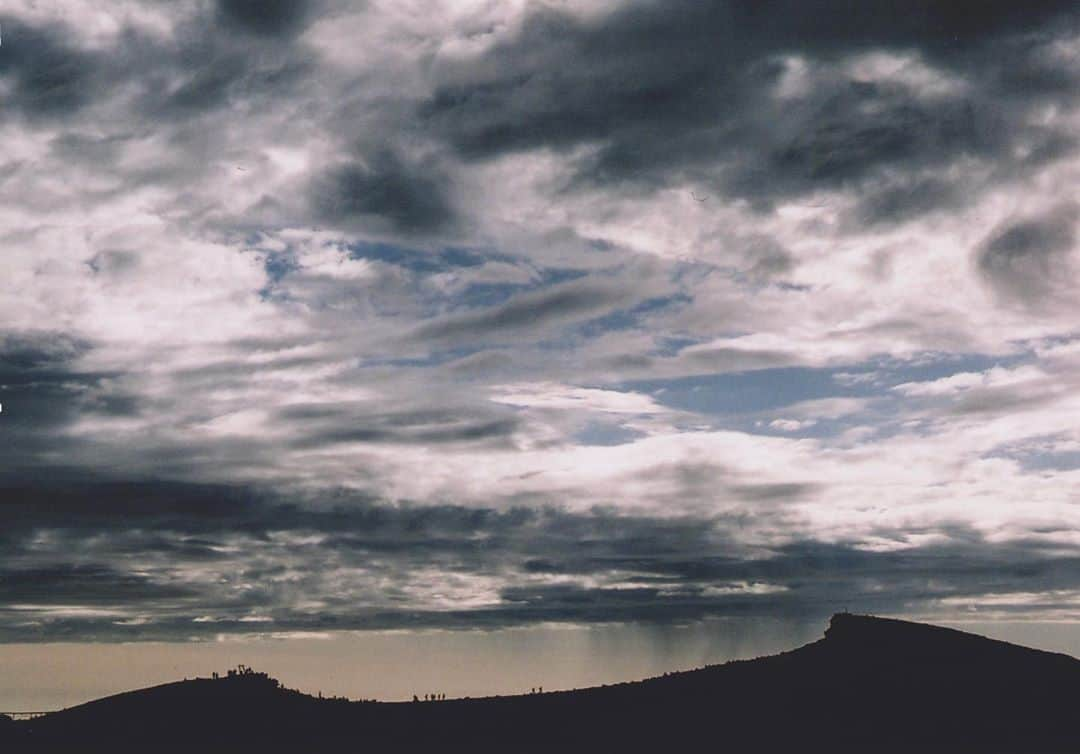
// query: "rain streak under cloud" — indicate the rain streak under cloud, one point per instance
point(321, 316)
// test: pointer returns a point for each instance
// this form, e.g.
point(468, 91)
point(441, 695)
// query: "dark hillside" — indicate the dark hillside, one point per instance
point(871, 684)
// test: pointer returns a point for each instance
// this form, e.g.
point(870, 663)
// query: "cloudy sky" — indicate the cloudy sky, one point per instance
point(322, 316)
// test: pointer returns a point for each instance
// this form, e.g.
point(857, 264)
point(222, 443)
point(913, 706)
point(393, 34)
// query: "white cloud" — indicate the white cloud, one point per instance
point(792, 425)
point(549, 395)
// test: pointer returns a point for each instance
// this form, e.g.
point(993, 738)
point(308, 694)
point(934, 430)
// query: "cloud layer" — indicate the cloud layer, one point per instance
point(367, 315)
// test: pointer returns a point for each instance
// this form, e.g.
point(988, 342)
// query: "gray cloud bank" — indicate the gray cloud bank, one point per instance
point(119, 561)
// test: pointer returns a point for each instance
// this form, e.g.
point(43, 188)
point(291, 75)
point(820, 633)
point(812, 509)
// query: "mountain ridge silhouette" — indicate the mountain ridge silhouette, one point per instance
point(870, 684)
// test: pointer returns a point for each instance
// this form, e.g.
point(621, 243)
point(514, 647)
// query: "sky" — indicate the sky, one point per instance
point(332, 321)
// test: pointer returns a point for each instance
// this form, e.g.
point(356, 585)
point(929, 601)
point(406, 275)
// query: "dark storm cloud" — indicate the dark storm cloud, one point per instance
point(49, 76)
point(684, 91)
point(53, 77)
point(198, 560)
point(83, 507)
point(209, 72)
point(405, 197)
point(84, 584)
point(29, 355)
point(900, 200)
point(848, 137)
point(817, 578)
point(139, 87)
point(272, 18)
point(1027, 260)
point(317, 425)
point(42, 388)
point(205, 87)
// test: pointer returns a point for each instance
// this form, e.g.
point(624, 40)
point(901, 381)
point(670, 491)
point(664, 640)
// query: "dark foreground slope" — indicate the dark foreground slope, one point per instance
point(871, 684)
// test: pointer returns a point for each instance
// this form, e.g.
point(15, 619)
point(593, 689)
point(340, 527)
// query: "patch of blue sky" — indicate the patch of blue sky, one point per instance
point(745, 392)
point(769, 390)
point(1048, 453)
point(625, 319)
point(432, 359)
point(480, 295)
point(278, 264)
point(606, 433)
point(934, 366)
point(1043, 461)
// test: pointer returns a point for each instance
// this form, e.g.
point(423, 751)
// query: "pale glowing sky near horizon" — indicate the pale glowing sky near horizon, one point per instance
point(392, 666)
point(332, 316)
